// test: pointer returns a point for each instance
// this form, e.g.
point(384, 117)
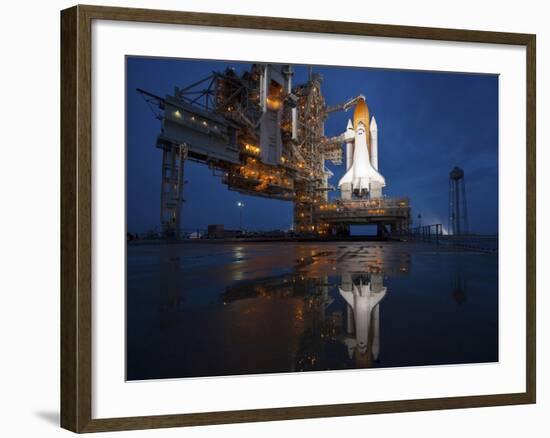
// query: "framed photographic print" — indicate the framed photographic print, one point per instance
point(302, 218)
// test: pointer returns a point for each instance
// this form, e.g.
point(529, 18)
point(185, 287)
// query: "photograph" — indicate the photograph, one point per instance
point(275, 219)
point(289, 218)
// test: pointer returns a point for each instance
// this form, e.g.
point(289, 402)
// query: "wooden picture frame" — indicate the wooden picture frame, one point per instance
point(76, 217)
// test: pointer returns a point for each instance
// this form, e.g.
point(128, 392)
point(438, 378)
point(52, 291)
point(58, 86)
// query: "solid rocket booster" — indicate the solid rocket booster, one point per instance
point(376, 329)
point(362, 171)
point(374, 143)
point(349, 137)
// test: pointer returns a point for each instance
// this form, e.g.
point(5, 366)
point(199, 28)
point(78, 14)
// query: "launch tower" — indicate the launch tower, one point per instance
point(264, 136)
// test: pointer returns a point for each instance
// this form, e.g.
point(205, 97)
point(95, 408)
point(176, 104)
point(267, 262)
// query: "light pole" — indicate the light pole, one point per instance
point(241, 206)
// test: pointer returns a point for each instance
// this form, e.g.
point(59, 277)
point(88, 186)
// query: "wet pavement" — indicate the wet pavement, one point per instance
point(210, 309)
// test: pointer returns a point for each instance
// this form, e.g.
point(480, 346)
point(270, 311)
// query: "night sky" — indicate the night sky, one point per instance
point(428, 123)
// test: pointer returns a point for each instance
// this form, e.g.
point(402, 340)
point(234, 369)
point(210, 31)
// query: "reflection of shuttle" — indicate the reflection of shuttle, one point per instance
point(363, 298)
point(362, 177)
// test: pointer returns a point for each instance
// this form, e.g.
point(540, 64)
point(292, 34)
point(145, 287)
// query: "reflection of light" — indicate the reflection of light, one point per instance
point(238, 252)
point(253, 149)
point(239, 255)
point(273, 103)
point(238, 275)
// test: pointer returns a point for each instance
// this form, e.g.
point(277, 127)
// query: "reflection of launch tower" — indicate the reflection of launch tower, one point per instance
point(458, 217)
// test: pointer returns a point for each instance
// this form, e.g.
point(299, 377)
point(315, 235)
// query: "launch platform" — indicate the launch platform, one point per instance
point(390, 215)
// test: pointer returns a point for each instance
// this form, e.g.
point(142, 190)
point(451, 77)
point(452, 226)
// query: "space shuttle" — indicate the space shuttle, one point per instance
point(363, 307)
point(362, 178)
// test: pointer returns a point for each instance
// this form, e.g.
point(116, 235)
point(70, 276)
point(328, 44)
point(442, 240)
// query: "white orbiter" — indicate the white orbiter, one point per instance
point(362, 176)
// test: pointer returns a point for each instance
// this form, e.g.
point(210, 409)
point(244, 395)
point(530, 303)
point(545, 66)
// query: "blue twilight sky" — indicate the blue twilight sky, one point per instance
point(428, 122)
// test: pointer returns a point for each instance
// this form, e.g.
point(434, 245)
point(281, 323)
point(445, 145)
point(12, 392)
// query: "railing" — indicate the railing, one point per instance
point(434, 234)
point(427, 233)
point(368, 203)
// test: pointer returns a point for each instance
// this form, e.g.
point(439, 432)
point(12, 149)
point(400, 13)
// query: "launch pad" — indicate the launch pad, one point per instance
point(390, 215)
point(264, 136)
